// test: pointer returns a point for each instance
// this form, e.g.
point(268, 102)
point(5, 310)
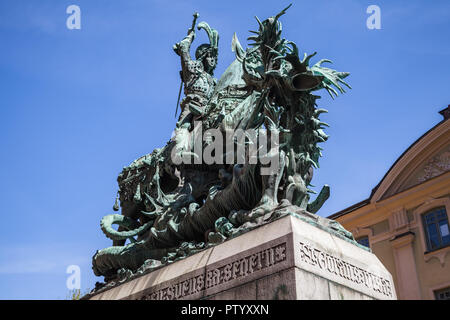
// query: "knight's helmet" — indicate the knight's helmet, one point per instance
point(213, 45)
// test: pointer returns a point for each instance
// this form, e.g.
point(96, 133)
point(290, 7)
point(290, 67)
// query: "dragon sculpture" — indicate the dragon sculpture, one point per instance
point(172, 209)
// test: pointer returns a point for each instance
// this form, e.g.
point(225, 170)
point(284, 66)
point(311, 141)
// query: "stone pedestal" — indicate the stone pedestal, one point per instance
point(285, 259)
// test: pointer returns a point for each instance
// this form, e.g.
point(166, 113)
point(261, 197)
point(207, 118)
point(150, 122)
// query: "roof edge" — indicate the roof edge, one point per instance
point(349, 209)
point(374, 190)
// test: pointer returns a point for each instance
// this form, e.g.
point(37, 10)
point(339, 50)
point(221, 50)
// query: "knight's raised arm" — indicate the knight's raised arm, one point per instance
point(182, 48)
point(184, 45)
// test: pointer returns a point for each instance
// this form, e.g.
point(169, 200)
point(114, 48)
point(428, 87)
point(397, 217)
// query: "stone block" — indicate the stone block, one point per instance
point(310, 287)
point(285, 259)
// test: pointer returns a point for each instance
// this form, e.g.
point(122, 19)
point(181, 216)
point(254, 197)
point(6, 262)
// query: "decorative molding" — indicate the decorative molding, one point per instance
point(402, 240)
point(419, 149)
point(433, 186)
point(398, 221)
point(439, 254)
point(435, 167)
point(428, 200)
point(362, 232)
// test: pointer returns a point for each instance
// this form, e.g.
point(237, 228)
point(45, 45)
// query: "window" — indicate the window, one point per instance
point(436, 228)
point(443, 294)
point(363, 241)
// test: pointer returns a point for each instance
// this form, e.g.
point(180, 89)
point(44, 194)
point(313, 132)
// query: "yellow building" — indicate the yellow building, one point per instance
point(405, 221)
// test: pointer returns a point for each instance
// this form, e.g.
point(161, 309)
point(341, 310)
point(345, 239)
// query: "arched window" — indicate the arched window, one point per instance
point(436, 227)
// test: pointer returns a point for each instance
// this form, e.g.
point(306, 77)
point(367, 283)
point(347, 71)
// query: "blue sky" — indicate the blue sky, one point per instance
point(78, 105)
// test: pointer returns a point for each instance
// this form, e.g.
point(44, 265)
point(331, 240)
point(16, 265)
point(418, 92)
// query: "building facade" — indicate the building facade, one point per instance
point(405, 221)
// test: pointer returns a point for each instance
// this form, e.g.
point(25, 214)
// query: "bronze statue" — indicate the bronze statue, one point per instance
point(197, 75)
point(171, 210)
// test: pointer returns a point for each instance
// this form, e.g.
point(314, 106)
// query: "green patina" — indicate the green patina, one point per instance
point(170, 211)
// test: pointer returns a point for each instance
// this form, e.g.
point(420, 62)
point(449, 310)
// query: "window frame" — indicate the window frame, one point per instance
point(439, 291)
point(436, 223)
point(429, 203)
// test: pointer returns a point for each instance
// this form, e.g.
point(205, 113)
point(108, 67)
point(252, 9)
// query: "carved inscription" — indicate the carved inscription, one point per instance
point(344, 269)
point(236, 269)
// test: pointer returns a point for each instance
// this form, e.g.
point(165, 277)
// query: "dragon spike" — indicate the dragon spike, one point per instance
point(343, 75)
point(275, 73)
point(278, 58)
point(311, 161)
point(237, 48)
point(261, 27)
point(272, 50)
point(318, 137)
point(315, 122)
point(280, 42)
point(322, 134)
point(137, 194)
point(319, 111)
point(153, 202)
point(323, 61)
point(331, 91)
point(151, 215)
point(291, 46)
point(307, 58)
point(282, 12)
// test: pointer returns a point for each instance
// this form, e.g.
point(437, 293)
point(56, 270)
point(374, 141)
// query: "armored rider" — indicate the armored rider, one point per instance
point(197, 75)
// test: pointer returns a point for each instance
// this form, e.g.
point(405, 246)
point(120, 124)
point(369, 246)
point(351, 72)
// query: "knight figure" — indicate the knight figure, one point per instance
point(197, 75)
